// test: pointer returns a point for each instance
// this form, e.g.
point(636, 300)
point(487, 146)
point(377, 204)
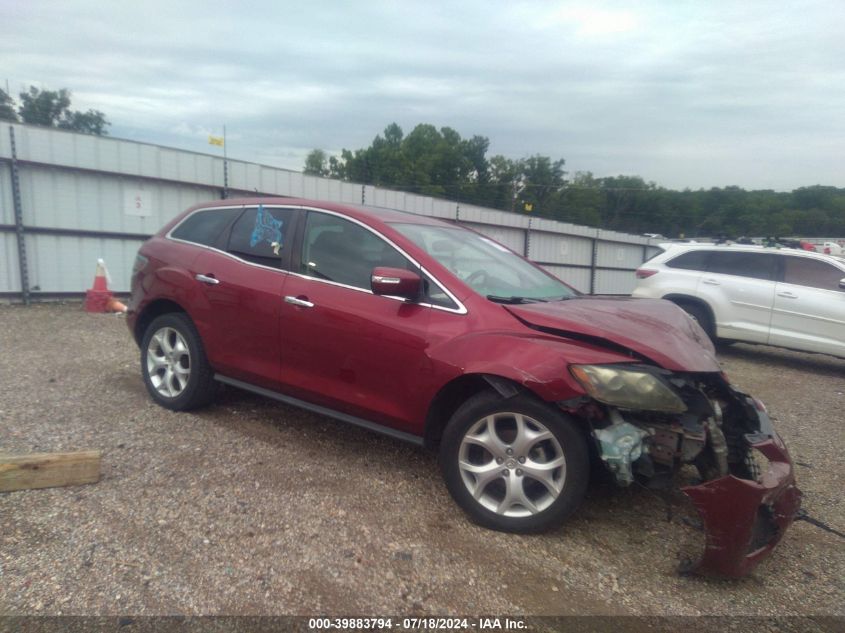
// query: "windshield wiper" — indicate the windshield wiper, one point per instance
point(515, 300)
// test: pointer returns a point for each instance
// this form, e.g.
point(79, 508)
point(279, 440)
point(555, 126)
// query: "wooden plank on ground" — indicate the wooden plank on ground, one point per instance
point(48, 470)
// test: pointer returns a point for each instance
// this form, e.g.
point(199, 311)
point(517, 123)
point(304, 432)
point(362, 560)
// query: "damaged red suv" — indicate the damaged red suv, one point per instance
point(437, 335)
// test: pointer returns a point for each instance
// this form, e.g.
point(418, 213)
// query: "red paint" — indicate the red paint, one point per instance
point(659, 330)
point(729, 506)
point(377, 357)
point(395, 282)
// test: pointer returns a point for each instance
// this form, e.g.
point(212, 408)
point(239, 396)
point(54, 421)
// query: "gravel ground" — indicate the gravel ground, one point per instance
point(252, 507)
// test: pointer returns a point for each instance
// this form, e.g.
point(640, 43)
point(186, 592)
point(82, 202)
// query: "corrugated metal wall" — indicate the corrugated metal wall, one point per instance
point(84, 197)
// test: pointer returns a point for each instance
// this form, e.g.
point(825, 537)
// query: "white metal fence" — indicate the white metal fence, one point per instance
point(67, 199)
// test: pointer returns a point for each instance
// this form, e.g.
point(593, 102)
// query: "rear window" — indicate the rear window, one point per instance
point(693, 260)
point(204, 227)
point(261, 235)
point(656, 250)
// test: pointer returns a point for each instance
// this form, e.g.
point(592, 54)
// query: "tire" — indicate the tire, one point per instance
point(173, 363)
point(480, 447)
point(702, 316)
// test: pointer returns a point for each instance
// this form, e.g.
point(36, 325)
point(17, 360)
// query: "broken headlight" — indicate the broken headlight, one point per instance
point(627, 388)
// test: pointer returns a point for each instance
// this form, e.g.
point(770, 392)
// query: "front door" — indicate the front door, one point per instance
point(342, 346)
point(809, 311)
point(740, 288)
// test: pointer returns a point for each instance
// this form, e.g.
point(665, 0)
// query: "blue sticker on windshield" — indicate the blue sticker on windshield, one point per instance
point(267, 229)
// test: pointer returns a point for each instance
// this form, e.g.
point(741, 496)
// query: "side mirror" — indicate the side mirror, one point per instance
point(395, 282)
point(842, 284)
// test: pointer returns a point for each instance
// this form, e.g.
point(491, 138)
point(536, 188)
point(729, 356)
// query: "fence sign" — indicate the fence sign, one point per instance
point(137, 202)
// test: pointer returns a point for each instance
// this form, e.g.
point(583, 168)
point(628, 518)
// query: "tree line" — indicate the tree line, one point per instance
point(438, 162)
point(51, 108)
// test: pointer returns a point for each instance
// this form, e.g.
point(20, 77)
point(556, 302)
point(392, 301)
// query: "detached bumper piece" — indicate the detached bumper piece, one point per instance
point(744, 519)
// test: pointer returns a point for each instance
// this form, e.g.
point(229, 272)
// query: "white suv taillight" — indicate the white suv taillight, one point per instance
point(643, 273)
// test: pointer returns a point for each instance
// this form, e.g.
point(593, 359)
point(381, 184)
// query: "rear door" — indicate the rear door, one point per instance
point(740, 288)
point(809, 310)
point(242, 282)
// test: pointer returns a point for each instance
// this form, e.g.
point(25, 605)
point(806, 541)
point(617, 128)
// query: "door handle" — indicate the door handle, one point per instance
point(787, 295)
point(711, 282)
point(211, 280)
point(296, 301)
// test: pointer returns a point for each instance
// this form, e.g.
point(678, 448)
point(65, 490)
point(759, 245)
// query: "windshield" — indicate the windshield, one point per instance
point(487, 267)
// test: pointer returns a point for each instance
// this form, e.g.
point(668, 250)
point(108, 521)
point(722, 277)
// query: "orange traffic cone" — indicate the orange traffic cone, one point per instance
point(98, 297)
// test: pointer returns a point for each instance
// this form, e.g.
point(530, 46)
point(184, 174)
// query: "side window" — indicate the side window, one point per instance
point(261, 235)
point(755, 265)
point(204, 227)
point(339, 250)
point(433, 294)
point(693, 260)
point(803, 271)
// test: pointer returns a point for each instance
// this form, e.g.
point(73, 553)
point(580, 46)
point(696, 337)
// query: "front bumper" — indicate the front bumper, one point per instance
point(744, 519)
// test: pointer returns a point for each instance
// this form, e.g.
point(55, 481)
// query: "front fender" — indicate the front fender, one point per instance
point(538, 362)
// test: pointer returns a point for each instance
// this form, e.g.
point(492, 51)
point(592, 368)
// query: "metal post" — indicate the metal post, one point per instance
point(527, 247)
point(458, 212)
point(593, 264)
point(225, 167)
point(16, 201)
point(363, 194)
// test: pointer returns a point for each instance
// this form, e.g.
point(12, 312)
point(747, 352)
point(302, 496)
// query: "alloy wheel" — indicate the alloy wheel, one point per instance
point(512, 464)
point(168, 362)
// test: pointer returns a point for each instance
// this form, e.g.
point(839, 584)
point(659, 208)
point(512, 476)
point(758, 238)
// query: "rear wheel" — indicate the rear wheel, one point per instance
point(173, 363)
point(516, 464)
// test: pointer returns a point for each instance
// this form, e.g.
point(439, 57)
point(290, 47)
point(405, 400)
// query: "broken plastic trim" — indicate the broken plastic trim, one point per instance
point(743, 519)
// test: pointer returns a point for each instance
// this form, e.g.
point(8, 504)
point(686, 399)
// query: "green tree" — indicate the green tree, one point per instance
point(439, 162)
point(7, 108)
point(582, 201)
point(506, 182)
point(316, 163)
point(52, 109)
point(43, 107)
point(543, 181)
point(89, 122)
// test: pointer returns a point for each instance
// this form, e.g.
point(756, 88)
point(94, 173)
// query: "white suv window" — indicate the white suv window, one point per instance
point(693, 260)
point(754, 265)
point(803, 271)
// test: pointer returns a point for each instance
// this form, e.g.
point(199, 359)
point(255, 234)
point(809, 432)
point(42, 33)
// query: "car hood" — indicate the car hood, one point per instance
point(653, 329)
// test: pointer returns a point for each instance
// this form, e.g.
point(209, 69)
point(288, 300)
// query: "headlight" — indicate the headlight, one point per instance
point(627, 388)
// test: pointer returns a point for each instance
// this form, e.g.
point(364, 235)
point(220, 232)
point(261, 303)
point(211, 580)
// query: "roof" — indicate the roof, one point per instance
point(697, 246)
point(358, 211)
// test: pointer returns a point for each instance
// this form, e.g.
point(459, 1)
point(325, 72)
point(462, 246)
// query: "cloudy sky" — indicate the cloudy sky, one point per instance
point(683, 93)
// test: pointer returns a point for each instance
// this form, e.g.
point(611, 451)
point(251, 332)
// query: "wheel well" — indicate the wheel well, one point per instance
point(680, 299)
point(153, 310)
point(455, 393)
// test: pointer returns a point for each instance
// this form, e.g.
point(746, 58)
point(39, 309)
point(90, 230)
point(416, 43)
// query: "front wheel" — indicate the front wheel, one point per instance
point(516, 464)
point(173, 363)
point(700, 314)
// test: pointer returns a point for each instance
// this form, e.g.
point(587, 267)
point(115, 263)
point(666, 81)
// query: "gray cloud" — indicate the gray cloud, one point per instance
point(684, 94)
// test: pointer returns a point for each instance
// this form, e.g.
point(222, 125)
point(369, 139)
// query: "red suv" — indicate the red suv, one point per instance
point(437, 335)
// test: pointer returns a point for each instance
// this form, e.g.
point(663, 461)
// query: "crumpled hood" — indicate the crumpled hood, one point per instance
point(654, 328)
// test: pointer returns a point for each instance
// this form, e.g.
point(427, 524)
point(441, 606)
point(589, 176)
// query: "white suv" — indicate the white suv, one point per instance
point(784, 297)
